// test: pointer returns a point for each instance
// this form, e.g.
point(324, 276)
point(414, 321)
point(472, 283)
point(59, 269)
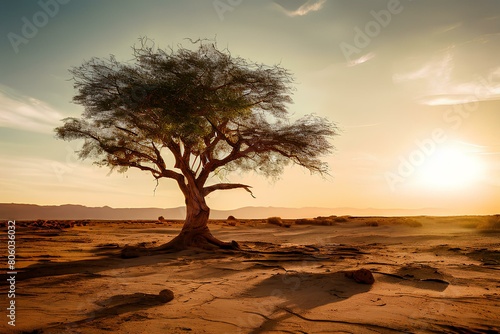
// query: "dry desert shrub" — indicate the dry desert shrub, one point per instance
point(275, 221)
point(342, 219)
point(473, 222)
point(323, 221)
point(231, 221)
point(304, 221)
point(411, 222)
point(278, 222)
point(491, 224)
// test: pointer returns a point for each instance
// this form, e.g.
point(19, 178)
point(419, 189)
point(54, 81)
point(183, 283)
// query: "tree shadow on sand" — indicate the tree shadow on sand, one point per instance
point(91, 268)
point(301, 292)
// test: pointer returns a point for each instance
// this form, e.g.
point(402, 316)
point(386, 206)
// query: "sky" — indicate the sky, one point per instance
point(414, 87)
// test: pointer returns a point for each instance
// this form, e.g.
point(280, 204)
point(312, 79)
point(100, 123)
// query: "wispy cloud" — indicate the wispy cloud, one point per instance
point(362, 59)
point(438, 70)
point(483, 88)
point(304, 9)
point(443, 81)
point(448, 28)
point(18, 111)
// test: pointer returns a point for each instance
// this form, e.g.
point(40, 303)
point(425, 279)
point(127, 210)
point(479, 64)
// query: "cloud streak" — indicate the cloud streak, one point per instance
point(304, 9)
point(22, 112)
point(361, 60)
point(447, 80)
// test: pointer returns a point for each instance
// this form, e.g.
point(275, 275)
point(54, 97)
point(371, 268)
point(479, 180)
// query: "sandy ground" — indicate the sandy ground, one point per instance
point(432, 275)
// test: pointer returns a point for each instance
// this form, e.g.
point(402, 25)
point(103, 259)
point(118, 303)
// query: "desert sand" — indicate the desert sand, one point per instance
point(432, 275)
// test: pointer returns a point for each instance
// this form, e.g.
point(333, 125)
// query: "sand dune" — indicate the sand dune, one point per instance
point(432, 275)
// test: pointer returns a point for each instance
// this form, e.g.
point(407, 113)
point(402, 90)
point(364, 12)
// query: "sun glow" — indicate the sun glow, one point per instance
point(451, 168)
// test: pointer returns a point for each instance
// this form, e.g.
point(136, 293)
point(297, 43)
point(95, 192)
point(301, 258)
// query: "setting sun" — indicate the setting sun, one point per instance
point(451, 168)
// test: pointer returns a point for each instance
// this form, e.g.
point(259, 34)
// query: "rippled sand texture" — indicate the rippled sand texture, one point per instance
point(432, 275)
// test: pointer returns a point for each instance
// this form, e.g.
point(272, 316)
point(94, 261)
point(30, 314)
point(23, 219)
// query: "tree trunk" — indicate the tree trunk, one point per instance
point(195, 232)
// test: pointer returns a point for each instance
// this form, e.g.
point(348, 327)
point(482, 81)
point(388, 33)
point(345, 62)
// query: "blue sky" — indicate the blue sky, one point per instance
point(413, 85)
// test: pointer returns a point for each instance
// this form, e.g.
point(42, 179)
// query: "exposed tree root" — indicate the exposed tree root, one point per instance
point(185, 240)
point(203, 240)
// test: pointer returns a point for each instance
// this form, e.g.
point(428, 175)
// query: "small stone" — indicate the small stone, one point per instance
point(166, 295)
point(363, 276)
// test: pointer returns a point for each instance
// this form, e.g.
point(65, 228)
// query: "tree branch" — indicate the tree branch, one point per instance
point(220, 133)
point(180, 162)
point(126, 130)
point(226, 186)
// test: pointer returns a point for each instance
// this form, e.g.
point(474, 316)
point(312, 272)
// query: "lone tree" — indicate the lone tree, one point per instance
point(186, 114)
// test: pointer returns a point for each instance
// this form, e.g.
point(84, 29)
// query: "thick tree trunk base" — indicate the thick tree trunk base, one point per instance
point(201, 239)
point(187, 239)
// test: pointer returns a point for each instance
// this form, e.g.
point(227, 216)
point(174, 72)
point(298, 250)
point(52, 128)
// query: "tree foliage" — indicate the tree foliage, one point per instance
point(205, 107)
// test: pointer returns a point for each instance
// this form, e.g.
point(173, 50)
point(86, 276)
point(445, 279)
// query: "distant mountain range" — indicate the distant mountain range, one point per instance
point(75, 212)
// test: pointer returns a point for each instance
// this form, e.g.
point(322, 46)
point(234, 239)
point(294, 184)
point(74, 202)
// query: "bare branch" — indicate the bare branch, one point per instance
point(226, 186)
point(126, 130)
